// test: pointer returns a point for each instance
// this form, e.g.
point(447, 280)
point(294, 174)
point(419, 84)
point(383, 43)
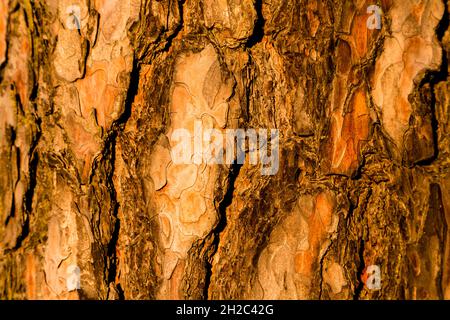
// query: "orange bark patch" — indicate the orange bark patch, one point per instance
point(3, 21)
point(30, 276)
point(361, 38)
point(175, 281)
point(319, 222)
point(360, 35)
point(20, 57)
point(85, 146)
point(96, 93)
point(347, 133)
point(350, 127)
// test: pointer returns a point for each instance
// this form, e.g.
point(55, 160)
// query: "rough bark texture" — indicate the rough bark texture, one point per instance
point(87, 178)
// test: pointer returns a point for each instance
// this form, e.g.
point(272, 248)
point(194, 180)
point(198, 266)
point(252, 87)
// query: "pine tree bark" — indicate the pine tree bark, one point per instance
point(89, 100)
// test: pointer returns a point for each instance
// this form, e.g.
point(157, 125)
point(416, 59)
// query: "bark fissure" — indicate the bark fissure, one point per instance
point(110, 148)
point(91, 108)
point(178, 28)
point(258, 29)
point(226, 201)
point(360, 271)
point(432, 78)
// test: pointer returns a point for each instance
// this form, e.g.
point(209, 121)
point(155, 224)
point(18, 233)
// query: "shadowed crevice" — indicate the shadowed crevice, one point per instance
point(258, 30)
point(433, 78)
point(110, 149)
point(222, 209)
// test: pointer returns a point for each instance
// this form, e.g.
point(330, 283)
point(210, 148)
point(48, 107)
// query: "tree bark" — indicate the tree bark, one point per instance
point(91, 92)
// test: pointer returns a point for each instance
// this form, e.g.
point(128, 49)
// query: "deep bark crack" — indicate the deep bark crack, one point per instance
point(177, 30)
point(433, 78)
point(258, 30)
point(222, 210)
point(110, 146)
point(359, 272)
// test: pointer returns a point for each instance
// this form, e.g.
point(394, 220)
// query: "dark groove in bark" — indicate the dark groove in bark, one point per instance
point(321, 270)
point(397, 200)
point(437, 209)
point(33, 155)
point(222, 209)
point(110, 146)
point(33, 161)
point(433, 78)
point(258, 30)
point(360, 271)
point(177, 30)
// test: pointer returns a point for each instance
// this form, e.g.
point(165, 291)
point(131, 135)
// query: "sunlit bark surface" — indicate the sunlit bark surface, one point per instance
point(91, 92)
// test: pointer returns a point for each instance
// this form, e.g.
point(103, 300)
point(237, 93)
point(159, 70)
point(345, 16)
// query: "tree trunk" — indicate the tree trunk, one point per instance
point(92, 93)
